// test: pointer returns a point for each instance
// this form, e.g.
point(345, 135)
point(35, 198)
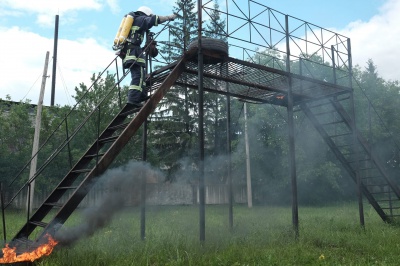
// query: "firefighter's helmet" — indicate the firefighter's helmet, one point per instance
point(146, 10)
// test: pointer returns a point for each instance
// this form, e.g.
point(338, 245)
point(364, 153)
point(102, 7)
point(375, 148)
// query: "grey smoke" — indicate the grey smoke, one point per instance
point(120, 182)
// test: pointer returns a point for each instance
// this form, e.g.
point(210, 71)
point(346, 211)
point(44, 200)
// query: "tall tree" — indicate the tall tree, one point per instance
point(15, 139)
point(216, 26)
point(215, 113)
point(176, 118)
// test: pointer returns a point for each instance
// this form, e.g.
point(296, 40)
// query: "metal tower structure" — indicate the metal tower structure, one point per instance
point(265, 57)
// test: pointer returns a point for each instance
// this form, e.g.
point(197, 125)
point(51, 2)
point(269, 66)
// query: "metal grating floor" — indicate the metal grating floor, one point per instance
point(251, 82)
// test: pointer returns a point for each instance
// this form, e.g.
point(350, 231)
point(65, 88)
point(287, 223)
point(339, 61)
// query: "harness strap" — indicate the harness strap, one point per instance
point(131, 46)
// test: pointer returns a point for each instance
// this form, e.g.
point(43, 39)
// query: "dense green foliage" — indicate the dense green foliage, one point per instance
point(173, 142)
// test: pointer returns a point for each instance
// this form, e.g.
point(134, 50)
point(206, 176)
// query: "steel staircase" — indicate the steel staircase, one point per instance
point(335, 125)
point(66, 197)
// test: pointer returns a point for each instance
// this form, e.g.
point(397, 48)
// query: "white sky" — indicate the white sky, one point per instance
point(88, 27)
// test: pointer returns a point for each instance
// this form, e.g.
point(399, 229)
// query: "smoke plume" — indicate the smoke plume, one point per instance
point(120, 183)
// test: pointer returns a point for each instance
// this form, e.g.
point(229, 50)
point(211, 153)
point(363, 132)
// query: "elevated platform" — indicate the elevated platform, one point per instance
point(248, 81)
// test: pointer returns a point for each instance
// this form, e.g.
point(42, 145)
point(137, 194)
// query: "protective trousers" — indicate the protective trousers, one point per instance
point(137, 92)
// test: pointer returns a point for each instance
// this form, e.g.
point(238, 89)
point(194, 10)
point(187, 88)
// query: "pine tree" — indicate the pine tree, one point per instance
point(215, 115)
point(182, 30)
point(174, 126)
point(216, 27)
point(177, 120)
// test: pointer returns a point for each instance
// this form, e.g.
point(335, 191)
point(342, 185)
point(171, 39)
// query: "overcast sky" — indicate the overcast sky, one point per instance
point(87, 29)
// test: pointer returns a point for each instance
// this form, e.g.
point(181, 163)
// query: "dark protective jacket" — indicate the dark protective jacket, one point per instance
point(141, 23)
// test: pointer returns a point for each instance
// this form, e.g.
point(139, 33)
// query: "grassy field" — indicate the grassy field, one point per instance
point(261, 235)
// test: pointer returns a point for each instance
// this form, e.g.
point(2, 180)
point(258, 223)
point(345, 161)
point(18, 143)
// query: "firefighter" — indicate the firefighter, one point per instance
point(143, 20)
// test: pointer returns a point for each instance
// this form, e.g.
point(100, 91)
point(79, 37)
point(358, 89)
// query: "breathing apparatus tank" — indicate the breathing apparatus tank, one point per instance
point(116, 39)
point(123, 31)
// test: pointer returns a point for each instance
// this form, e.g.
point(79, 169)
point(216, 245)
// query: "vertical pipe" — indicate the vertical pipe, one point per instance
point(333, 64)
point(227, 16)
point(119, 87)
point(202, 223)
point(248, 170)
point(53, 82)
point(98, 137)
point(143, 179)
point(355, 139)
point(28, 214)
point(143, 185)
point(69, 146)
point(249, 16)
point(369, 140)
point(3, 213)
point(369, 125)
point(335, 82)
point(229, 151)
point(390, 201)
point(301, 73)
point(292, 159)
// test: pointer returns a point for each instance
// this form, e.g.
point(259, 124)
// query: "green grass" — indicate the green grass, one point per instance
point(261, 236)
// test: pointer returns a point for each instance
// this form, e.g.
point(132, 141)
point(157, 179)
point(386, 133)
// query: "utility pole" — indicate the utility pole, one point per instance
point(35, 147)
point(248, 172)
point(53, 82)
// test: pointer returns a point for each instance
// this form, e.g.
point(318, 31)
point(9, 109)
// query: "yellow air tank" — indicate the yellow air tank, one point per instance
point(116, 39)
point(125, 29)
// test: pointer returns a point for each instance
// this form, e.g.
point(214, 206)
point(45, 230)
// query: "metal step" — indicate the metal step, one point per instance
point(80, 171)
point(120, 126)
point(66, 188)
point(376, 185)
point(129, 112)
point(341, 135)
point(319, 105)
point(332, 123)
point(360, 160)
point(24, 240)
point(391, 208)
point(332, 111)
point(38, 223)
point(380, 193)
point(394, 200)
point(371, 177)
point(344, 145)
point(109, 139)
point(367, 168)
point(53, 204)
point(94, 155)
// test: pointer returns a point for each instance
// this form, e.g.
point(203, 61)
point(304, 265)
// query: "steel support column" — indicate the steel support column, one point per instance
point(202, 222)
point(292, 157)
point(143, 179)
point(143, 185)
point(355, 140)
point(229, 152)
point(3, 212)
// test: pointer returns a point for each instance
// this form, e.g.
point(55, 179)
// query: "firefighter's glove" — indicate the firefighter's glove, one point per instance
point(163, 19)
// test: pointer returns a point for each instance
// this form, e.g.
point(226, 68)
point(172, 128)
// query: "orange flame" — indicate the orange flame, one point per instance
point(10, 256)
point(280, 97)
